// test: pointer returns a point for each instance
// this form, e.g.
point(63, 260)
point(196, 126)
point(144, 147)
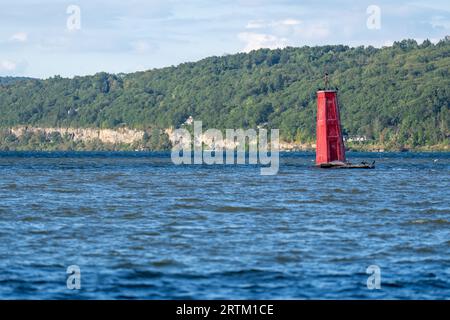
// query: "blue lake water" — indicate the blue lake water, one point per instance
point(140, 227)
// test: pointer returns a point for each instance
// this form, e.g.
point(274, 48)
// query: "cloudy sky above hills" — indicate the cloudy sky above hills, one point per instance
point(42, 38)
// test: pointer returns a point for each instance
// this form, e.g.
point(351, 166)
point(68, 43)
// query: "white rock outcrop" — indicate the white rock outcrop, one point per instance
point(111, 136)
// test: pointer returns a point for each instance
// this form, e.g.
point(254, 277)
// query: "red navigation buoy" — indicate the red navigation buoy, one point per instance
point(330, 143)
point(330, 150)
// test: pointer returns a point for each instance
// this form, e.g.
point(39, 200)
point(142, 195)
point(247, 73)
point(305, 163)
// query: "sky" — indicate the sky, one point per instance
point(44, 38)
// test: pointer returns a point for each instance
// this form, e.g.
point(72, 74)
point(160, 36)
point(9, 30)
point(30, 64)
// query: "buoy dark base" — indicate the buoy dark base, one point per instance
point(346, 165)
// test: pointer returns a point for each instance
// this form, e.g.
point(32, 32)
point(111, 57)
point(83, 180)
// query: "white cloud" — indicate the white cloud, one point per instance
point(290, 22)
point(256, 24)
point(312, 31)
point(19, 37)
point(7, 65)
point(255, 41)
point(142, 47)
point(439, 22)
point(280, 33)
point(10, 67)
point(259, 24)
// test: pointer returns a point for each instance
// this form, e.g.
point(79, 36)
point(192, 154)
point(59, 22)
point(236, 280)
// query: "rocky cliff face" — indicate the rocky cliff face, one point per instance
point(109, 136)
point(131, 136)
point(225, 144)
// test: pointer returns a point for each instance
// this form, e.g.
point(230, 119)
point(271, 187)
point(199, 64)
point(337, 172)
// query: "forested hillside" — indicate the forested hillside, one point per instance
point(397, 95)
point(9, 80)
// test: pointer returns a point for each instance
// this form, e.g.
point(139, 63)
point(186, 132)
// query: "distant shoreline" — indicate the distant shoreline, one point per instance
point(29, 138)
point(128, 149)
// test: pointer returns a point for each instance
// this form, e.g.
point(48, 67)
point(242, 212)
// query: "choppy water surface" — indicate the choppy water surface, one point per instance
point(140, 227)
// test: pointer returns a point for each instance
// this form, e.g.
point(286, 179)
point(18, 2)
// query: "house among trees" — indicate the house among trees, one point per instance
point(189, 121)
point(355, 138)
